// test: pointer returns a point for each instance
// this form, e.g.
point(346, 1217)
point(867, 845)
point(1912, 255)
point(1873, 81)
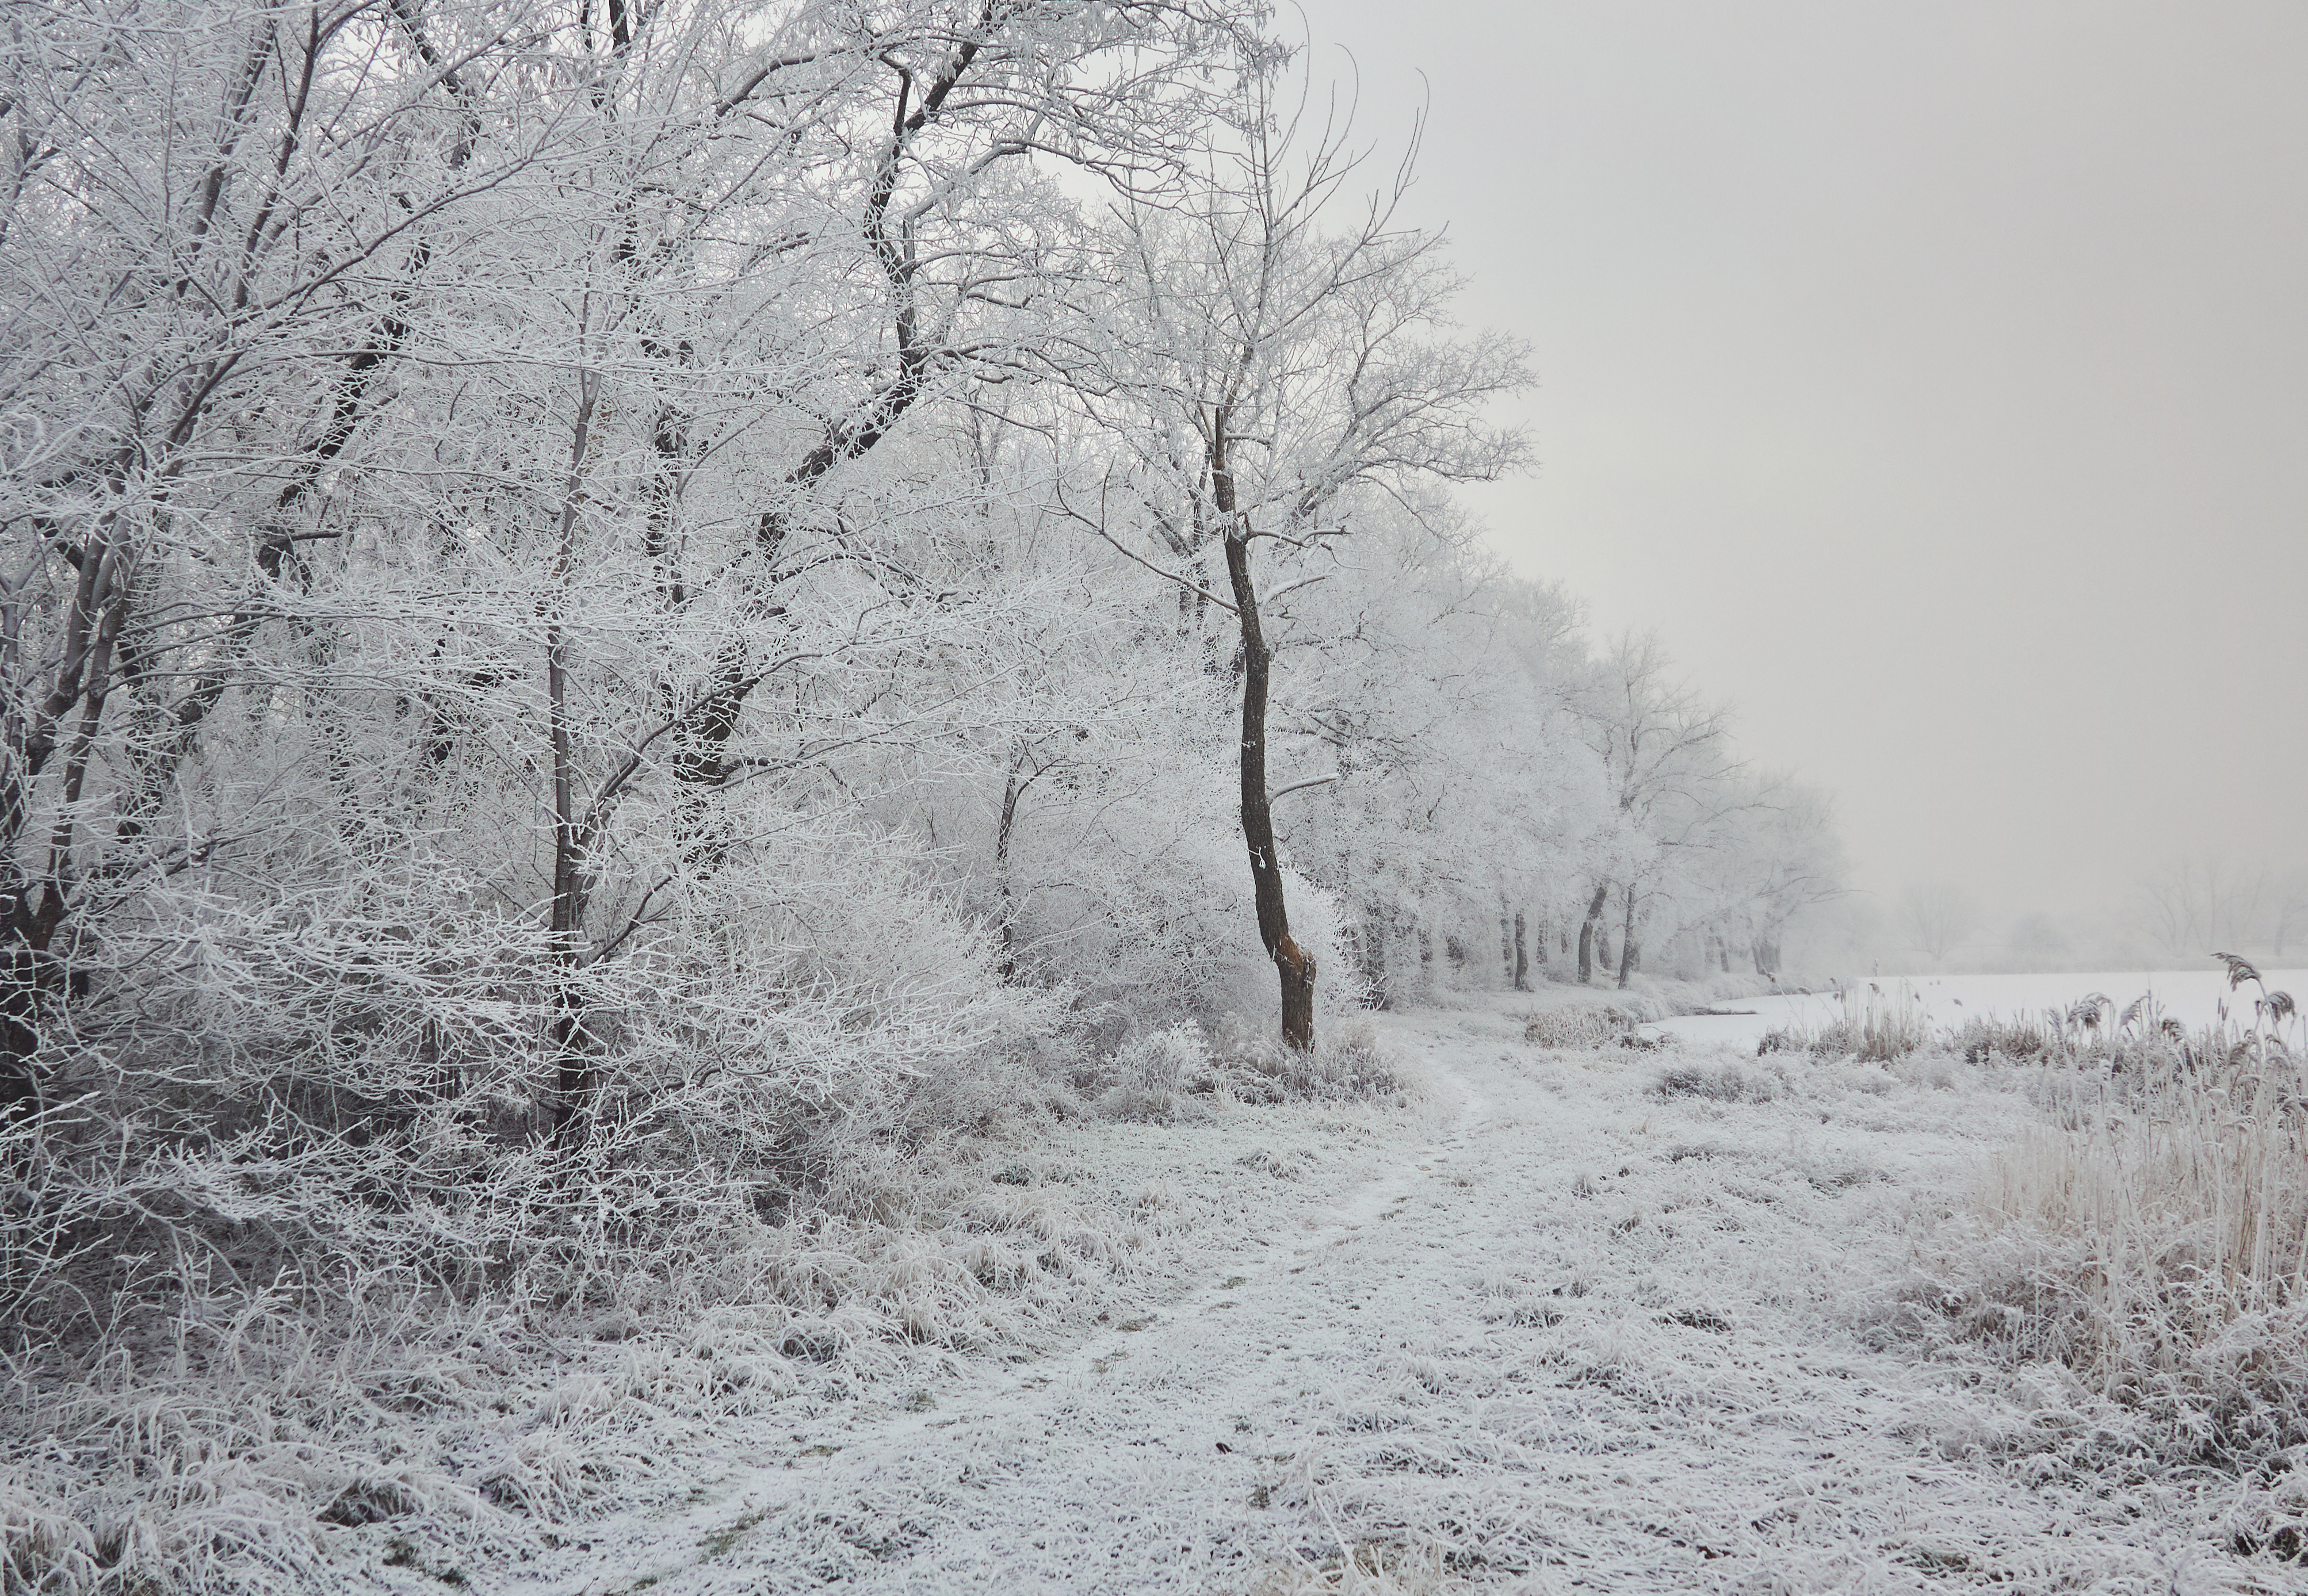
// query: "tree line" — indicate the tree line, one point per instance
point(589, 586)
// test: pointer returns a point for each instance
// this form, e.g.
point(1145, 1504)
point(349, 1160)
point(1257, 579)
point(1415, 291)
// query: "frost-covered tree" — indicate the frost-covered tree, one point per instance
point(592, 595)
point(1672, 772)
point(1284, 368)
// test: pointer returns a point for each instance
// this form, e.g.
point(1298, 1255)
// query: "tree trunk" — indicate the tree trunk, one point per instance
point(1590, 932)
point(1292, 963)
point(1522, 958)
point(1011, 789)
point(1629, 953)
point(573, 1072)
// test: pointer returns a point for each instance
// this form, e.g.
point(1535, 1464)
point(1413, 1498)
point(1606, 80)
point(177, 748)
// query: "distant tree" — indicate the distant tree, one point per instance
point(1672, 771)
point(1781, 858)
point(2288, 911)
point(2038, 943)
point(1936, 917)
point(2194, 905)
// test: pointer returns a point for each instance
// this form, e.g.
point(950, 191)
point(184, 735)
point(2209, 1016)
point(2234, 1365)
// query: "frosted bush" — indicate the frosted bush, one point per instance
point(1721, 1083)
point(1346, 1064)
point(1576, 1028)
point(1149, 1072)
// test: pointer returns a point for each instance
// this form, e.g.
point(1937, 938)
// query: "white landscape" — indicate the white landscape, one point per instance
point(1602, 1319)
point(787, 800)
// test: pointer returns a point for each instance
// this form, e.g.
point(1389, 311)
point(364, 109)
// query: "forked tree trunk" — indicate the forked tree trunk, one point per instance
point(1292, 963)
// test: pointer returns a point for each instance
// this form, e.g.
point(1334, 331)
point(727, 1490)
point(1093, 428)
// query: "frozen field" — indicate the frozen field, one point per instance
point(2194, 996)
point(1576, 1325)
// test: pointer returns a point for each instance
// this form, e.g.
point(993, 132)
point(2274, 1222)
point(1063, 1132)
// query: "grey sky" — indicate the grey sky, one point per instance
point(1933, 377)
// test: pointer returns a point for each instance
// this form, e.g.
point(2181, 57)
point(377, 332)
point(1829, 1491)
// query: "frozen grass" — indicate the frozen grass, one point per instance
point(2133, 1270)
point(1638, 1323)
point(233, 1443)
point(1574, 1027)
point(1876, 1023)
point(1168, 1076)
point(2151, 1237)
point(1365, 1570)
point(209, 1458)
point(1593, 1337)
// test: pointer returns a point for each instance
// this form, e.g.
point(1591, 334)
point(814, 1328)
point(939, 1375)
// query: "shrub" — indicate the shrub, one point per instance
point(1719, 1083)
point(1151, 1070)
point(1347, 1065)
point(1573, 1027)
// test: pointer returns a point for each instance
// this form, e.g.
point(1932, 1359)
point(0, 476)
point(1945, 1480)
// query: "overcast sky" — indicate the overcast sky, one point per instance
point(1933, 377)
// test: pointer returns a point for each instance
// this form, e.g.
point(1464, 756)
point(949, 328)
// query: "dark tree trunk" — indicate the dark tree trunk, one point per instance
point(1011, 788)
point(1522, 958)
point(1590, 932)
point(1292, 964)
point(575, 1077)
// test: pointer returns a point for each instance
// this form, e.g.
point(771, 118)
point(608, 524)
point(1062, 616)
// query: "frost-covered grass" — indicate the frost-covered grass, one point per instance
point(2147, 1243)
point(1600, 1330)
point(1876, 1022)
point(1176, 1073)
point(1497, 1313)
point(240, 1441)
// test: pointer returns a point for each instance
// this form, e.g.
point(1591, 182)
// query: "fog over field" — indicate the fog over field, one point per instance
point(1152, 795)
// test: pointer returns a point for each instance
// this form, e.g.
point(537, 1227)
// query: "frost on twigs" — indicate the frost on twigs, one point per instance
point(1369, 1568)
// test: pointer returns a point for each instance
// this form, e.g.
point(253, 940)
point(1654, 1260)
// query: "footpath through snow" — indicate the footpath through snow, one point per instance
point(1572, 1332)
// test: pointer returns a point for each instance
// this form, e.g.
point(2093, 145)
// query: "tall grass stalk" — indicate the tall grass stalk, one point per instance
point(2153, 1235)
point(1875, 1024)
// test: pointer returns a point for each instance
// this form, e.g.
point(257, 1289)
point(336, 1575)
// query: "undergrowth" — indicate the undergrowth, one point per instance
point(1875, 1024)
point(220, 1421)
point(1166, 1076)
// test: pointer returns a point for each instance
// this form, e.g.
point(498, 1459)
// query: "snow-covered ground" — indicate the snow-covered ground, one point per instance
point(1587, 1321)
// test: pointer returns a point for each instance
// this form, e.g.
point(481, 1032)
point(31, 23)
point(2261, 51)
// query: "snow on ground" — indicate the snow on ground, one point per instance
point(1591, 1322)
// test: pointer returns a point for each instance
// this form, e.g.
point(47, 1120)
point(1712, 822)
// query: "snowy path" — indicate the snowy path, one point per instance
point(1585, 1338)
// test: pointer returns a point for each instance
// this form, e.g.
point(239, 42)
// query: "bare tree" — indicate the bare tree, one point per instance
point(1937, 917)
point(1287, 371)
point(2194, 905)
point(2289, 908)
